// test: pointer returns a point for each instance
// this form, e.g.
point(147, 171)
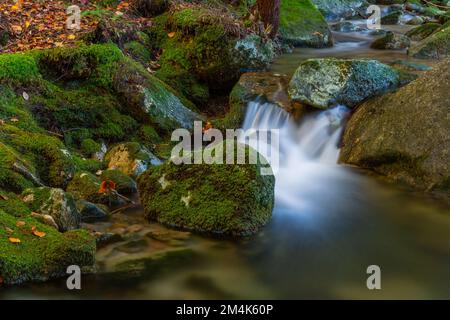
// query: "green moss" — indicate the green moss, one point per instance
point(423, 31)
point(13, 204)
point(89, 165)
point(85, 185)
point(38, 259)
point(124, 184)
point(10, 178)
point(89, 147)
point(17, 68)
point(148, 136)
point(220, 199)
point(436, 46)
point(138, 51)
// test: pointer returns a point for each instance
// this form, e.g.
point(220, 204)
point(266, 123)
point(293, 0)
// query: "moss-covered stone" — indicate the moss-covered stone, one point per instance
point(124, 184)
point(217, 199)
point(423, 31)
point(326, 82)
point(404, 135)
point(436, 46)
point(90, 212)
point(391, 41)
point(86, 186)
point(55, 203)
point(302, 24)
point(39, 259)
point(391, 18)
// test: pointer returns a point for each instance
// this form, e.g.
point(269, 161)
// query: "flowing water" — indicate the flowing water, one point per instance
point(329, 224)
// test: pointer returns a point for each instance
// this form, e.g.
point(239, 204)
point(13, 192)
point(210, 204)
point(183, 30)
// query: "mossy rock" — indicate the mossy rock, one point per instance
point(391, 18)
point(40, 259)
point(336, 9)
point(124, 184)
point(91, 212)
point(423, 31)
point(86, 186)
point(55, 203)
point(302, 24)
point(130, 158)
point(436, 46)
point(391, 41)
point(216, 199)
point(322, 83)
point(404, 135)
point(18, 68)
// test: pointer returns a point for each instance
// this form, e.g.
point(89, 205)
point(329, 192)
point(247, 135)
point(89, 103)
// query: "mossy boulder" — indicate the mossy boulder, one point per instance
point(91, 212)
point(323, 83)
point(392, 18)
point(302, 24)
point(130, 158)
point(404, 135)
point(423, 31)
point(124, 184)
point(217, 199)
point(337, 9)
point(436, 46)
point(391, 41)
point(40, 259)
point(204, 49)
point(55, 203)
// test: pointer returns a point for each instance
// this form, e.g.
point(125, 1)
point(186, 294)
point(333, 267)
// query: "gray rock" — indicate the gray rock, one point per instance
point(90, 212)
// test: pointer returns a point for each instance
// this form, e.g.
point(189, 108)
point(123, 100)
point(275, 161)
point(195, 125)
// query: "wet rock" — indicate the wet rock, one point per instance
point(337, 9)
point(167, 235)
point(215, 199)
point(107, 238)
point(404, 135)
point(415, 20)
point(436, 46)
point(55, 203)
point(124, 184)
point(391, 18)
point(323, 83)
point(130, 158)
point(133, 246)
point(302, 24)
point(392, 41)
point(420, 33)
point(90, 212)
point(345, 26)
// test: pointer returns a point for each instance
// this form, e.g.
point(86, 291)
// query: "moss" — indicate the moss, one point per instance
point(90, 165)
point(89, 147)
point(86, 186)
point(219, 199)
point(423, 31)
point(148, 136)
point(436, 46)
point(38, 259)
point(138, 51)
point(124, 184)
point(17, 68)
point(12, 204)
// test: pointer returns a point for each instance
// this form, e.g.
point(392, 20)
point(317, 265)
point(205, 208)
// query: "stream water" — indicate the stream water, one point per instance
point(329, 224)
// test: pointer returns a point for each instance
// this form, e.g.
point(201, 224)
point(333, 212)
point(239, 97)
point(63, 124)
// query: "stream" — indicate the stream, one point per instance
point(329, 224)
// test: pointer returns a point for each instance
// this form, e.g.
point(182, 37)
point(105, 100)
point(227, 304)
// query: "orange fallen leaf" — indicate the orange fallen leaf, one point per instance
point(71, 37)
point(20, 223)
point(107, 186)
point(39, 234)
point(14, 240)
point(14, 119)
point(171, 34)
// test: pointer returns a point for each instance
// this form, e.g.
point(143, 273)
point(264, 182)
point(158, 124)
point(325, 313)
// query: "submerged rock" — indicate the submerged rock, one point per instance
point(90, 212)
point(436, 46)
point(404, 135)
point(55, 203)
point(131, 158)
point(302, 24)
point(217, 199)
point(326, 82)
point(40, 259)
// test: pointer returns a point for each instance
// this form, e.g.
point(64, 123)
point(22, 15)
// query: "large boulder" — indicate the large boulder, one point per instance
point(302, 24)
point(337, 9)
point(391, 41)
point(131, 158)
point(217, 199)
point(323, 83)
point(436, 46)
point(55, 203)
point(40, 258)
point(404, 135)
point(423, 31)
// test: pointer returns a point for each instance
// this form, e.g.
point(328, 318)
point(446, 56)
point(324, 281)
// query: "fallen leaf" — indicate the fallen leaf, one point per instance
point(14, 240)
point(171, 34)
point(14, 119)
point(71, 37)
point(9, 230)
point(20, 223)
point(39, 234)
point(25, 96)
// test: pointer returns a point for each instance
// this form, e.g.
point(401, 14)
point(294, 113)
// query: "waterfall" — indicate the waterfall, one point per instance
point(307, 151)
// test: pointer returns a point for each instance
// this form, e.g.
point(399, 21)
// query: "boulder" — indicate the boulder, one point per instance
point(423, 31)
point(55, 203)
point(391, 41)
point(391, 18)
point(323, 83)
point(302, 24)
point(131, 158)
point(150, 8)
point(40, 258)
point(91, 212)
point(217, 199)
point(404, 135)
point(346, 26)
point(337, 9)
point(124, 184)
point(436, 46)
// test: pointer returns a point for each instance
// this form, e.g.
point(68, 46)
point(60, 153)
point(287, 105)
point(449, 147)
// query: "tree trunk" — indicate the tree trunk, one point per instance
point(269, 11)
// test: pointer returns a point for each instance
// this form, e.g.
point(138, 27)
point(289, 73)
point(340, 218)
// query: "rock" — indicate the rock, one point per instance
point(130, 158)
point(404, 135)
point(45, 218)
point(391, 18)
point(267, 86)
point(415, 21)
point(391, 41)
point(423, 31)
point(301, 24)
point(55, 203)
point(216, 199)
point(124, 184)
point(90, 212)
point(146, 96)
point(254, 53)
point(337, 9)
point(40, 259)
point(345, 26)
point(104, 239)
point(436, 46)
point(410, 65)
point(326, 82)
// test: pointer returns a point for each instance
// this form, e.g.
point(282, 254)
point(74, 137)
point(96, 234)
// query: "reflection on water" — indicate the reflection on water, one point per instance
point(329, 224)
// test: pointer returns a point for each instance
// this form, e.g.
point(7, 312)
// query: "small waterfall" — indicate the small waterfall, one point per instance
point(307, 153)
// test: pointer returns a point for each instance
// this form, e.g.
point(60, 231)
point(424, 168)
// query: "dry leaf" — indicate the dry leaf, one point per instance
point(171, 34)
point(14, 240)
point(9, 230)
point(39, 234)
point(71, 37)
point(20, 223)
point(14, 119)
